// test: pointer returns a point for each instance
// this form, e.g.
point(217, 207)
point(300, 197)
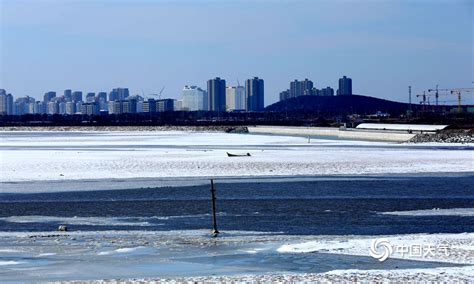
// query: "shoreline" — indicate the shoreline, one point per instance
point(165, 256)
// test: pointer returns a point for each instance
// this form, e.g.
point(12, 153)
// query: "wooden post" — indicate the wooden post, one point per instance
point(214, 222)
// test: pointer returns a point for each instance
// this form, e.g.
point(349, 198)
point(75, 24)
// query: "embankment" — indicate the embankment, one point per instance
point(352, 134)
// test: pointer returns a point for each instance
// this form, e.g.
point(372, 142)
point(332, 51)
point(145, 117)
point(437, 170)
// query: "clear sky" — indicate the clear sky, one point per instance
point(384, 46)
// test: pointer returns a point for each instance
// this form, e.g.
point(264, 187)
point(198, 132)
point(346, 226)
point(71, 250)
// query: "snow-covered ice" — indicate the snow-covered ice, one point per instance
point(434, 212)
point(89, 221)
point(32, 156)
point(43, 256)
point(450, 248)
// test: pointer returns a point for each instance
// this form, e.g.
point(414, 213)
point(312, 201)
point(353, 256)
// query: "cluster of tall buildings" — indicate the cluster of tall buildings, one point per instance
point(306, 88)
point(117, 101)
point(219, 97)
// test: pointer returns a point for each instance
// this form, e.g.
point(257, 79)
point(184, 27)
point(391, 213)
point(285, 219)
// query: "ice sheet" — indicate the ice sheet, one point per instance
point(126, 254)
point(459, 247)
point(434, 212)
point(89, 221)
point(95, 156)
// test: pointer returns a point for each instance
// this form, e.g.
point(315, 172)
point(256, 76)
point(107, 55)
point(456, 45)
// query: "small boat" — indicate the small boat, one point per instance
point(238, 155)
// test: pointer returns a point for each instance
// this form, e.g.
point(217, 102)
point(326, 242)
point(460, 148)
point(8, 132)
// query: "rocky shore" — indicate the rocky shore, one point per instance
point(446, 136)
point(211, 128)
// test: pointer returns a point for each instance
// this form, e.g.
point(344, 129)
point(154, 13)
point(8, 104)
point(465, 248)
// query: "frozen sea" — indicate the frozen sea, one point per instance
point(137, 205)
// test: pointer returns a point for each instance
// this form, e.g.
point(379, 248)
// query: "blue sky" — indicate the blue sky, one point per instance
point(384, 46)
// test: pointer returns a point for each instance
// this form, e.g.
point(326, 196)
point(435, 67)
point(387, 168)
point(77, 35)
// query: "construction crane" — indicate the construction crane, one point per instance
point(436, 94)
point(454, 91)
point(423, 102)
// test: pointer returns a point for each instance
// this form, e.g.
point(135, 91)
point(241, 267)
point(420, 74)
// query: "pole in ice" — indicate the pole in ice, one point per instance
point(215, 232)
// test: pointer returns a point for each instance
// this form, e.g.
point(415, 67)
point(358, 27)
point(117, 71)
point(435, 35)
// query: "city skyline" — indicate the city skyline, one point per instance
point(385, 46)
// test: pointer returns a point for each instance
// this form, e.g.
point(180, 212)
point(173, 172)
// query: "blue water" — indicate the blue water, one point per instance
point(321, 206)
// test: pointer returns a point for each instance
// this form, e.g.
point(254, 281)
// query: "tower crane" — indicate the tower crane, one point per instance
point(436, 93)
point(454, 91)
point(423, 102)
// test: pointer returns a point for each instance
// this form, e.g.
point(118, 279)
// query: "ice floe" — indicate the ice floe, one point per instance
point(434, 212)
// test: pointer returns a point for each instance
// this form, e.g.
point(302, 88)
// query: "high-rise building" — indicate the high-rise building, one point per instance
point(67, 95)
point(90, 108)
point(235, 98)
point(328, 91)
point(53, 108)
point(216, 94)
point(165, 105)
point(77, 96)
point(3, 102)
point(140, 106)
point(115, 107)
point(21, 105)
point(62, 108)
point(149, 105)
point(90, 97)
point(118, 94)
point(345, 86)
point(129, 106)
point(48, 96)
point(254, 94)
point(40, 107)
point(285, 95)
point(31, 107)
point(301, 88)
point(194, 98)
point(78, 106)
point(10, 104)
point(102, 100)
point(70, 108)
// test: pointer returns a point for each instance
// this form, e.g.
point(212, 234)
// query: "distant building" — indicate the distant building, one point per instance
point(235, 98)
point(194, 99)
point(115, 107)
point(216, 94)
point(345, 86)
point(118, 94)
point(90, 97)
point(67, 95)
point(165, 105)
point(70, 108)
point(102, 100)
point(3, 102)
point(77, 96)
point(129, 106)
point(328, 91)
point(254, 94)
point(21, 105)
point(284, 95)
point(48, 96)
point(10, 104)
point(53, 108)
point(90, 108)
point(301, 88)
point(178, 105)
point(31, 108)
point(149, 106)
point(140, 106)
point(62, 108)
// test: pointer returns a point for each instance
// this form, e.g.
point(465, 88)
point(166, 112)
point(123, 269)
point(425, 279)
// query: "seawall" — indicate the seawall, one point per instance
point(352, 134)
